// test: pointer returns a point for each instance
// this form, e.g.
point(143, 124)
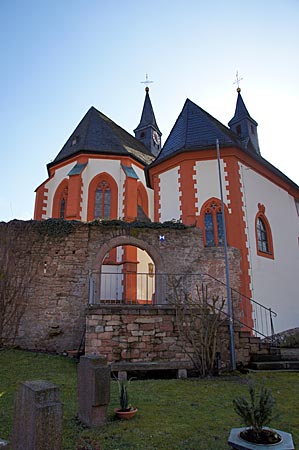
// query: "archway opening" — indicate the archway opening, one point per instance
point(126, 275)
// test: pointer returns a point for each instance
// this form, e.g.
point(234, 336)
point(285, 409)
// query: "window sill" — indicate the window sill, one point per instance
point(265, 255)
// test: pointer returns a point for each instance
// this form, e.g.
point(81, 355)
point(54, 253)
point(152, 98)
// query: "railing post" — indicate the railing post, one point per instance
point(91, 289)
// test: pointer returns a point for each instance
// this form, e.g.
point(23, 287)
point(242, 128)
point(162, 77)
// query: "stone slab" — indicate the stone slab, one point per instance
point(38, 415)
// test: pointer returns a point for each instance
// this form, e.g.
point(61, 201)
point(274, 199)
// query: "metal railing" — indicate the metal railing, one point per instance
point(122, 288)
point(246, 310)
point(133, 288)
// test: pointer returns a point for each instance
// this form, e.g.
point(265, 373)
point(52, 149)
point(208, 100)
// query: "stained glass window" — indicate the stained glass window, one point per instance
point(213, 223)
point(62, 209)
point(209, 229)
point(62, 206)
point(102, 201)
point(220, 228)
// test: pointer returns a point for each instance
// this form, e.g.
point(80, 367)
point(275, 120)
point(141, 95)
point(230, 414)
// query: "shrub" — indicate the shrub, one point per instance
point(257, 411)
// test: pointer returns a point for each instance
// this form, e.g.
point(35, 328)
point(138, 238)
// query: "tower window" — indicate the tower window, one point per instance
point(142, 134)
point(102, 201)
point(252, 129)
point(213, 225)
point(239, 130)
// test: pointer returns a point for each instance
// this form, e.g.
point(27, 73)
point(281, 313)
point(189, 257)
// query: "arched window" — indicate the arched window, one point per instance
point(60, 201)
point(213, 224)
point(264, 241)
point(102, 197)
point(102, 204)
point(62, 209)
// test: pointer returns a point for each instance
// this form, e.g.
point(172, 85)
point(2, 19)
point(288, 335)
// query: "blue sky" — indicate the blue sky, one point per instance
point(59, 57)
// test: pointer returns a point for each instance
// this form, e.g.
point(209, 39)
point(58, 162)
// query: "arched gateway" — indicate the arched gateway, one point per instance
point(128, 270)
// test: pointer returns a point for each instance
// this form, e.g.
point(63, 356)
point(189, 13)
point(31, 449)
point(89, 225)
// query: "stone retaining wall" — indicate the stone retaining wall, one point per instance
point(126, 333)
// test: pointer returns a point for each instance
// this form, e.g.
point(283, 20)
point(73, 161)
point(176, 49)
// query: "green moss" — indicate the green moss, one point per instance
point(56, 227)
point(137, 224)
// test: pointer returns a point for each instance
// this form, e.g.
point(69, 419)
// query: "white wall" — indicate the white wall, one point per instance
point(207, 181)
point(275, 281)
point(145, 283)
point(53, 184)
point(150, 193)
point(111, 282)
point(95, 167)
point(169, 195)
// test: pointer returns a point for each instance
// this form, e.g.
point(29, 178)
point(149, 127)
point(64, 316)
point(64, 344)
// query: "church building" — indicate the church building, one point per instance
point(103, 172)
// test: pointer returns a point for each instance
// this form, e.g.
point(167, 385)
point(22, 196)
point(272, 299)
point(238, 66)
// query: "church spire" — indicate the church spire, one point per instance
point(244, 125)
point(147, 131)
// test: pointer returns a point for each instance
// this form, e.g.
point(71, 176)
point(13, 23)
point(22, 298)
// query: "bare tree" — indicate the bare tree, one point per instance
point(198, 319)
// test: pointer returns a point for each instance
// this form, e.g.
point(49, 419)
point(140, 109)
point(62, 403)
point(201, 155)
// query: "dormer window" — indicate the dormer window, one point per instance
point(75, 140)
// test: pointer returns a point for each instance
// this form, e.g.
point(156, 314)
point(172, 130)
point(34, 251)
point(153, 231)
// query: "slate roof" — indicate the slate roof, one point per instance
point(96, 133)
point(147, 116)
point(241, 112)
point(196, 129)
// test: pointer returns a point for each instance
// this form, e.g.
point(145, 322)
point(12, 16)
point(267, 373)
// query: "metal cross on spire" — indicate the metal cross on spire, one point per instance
point(237, 82)
point(146, 82)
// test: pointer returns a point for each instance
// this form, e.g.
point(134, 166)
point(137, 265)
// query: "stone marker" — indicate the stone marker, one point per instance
point(93, 390)
point(38, 415)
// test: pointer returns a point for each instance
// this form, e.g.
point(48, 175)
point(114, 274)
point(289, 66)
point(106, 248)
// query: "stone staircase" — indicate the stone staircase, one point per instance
point(277, 358)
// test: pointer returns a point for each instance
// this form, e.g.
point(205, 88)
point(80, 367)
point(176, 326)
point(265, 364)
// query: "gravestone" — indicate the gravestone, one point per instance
point(38, 415)
point(93, 390)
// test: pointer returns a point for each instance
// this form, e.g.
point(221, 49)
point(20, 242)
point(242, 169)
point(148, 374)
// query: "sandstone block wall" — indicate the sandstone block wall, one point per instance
point(53, 260)
point(126, 333)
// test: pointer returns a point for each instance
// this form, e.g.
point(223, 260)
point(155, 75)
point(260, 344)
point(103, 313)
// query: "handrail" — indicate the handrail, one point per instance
point(243, 295)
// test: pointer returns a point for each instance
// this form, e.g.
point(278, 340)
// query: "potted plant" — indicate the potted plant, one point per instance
point(126, 410)
point(256, 414)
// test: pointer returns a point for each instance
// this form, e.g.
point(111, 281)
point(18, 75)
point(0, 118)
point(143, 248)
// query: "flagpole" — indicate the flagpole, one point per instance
point(229, 300)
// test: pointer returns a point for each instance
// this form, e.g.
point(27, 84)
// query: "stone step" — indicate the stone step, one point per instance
point(274, 365)
point(273, 357)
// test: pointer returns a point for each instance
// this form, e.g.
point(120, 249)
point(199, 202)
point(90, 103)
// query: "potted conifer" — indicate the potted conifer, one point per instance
point(126, 410)
point(256, 414)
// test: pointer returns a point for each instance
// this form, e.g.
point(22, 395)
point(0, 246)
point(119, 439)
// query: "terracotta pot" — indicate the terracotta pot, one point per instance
point(125, 414)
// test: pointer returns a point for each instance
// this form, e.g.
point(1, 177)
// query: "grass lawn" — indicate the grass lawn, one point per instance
point(173, 414)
